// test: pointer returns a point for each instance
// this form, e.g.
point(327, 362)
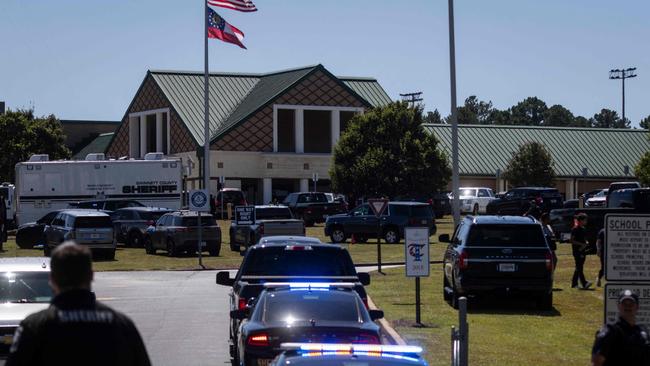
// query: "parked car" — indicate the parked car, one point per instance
point(475, 199)
point(363, 224)
point(225, 196)
point(106, 204)
point(177, 232)
point(320, 354)
point(622, 185)
point(517, 201)
point(303, 312)
point(440, 203)
point(630, 201)
point(312, 207)
point(598, 200)
point(269, 220)
point(131, 223)
point(24, 289)
point(292, 261)
point(489, 254)
point(86, 227)
point(32, 233)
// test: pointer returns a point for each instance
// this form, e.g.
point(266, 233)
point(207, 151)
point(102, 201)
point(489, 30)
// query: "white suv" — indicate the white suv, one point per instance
point(475, 199)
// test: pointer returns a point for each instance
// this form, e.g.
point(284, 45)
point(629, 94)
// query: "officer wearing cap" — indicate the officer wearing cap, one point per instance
point(624, 342)
point(76, 329)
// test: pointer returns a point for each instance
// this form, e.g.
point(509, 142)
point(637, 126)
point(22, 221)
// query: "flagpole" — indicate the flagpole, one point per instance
point(206, 136)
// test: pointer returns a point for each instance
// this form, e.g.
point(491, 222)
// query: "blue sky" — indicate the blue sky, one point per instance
point(86, 59)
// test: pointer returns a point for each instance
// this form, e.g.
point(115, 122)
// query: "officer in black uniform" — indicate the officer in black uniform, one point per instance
point(624, 342)
point(76, 329)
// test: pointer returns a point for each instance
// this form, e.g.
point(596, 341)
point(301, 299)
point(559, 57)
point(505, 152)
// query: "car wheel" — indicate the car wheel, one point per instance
point(234, 247)
point(545, 301)
point(214, 252)
point(391, 236)
point(23, 241)
point(249, 361)
point(171, 248)
point(134, 240)
point(337, 235)
point(110, 254)
point(148, 246)
point(475, 209)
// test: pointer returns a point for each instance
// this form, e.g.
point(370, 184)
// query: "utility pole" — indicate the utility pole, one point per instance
point(412, 98)
point(623, 74)
point(455, 181)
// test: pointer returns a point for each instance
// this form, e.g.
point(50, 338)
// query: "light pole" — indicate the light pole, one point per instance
point(623, 74)
point(454, 118)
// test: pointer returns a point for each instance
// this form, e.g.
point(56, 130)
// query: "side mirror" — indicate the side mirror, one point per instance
point(376, 314)
point(444, 238)
point(364, 278)
point(239, 314)
point(223, 278)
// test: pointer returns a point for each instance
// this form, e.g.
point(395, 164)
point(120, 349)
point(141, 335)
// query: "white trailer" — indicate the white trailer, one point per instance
point(43, 186)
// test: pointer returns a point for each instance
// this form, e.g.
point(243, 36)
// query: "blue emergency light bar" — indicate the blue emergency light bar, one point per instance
point(309, 285)
point(352, 348)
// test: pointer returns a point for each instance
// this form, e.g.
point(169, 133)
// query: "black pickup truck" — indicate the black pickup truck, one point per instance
point(518, 200)
point(312, 207)
point(622, 201)
point(292, 261)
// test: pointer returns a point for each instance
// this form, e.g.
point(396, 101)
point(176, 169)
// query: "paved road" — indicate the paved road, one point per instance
point(182, 315)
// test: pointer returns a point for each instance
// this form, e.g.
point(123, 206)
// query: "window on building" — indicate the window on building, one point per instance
point(286, 130)
point(345, 118)
point(317, 131)
point(151, 133)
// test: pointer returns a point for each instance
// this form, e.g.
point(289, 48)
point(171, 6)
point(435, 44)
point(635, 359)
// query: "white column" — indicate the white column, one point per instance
point(143, 135)
point(304, 185)
point(275, 129)
point(134, 139)
point(267, 190)
point(336, 127)
point(569, 189)
point(300, 130)
point(159, 121)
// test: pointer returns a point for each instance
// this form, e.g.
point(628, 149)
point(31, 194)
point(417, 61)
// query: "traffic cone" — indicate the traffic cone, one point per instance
point(353, 240)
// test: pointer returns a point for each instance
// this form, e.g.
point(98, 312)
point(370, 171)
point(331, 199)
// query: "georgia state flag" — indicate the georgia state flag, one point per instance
point(220, 29)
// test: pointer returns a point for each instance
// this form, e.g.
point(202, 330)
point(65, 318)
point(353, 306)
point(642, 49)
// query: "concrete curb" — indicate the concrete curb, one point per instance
point(387, 329)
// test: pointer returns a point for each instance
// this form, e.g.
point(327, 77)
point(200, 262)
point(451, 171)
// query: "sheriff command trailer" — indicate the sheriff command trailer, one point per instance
point(43, 186)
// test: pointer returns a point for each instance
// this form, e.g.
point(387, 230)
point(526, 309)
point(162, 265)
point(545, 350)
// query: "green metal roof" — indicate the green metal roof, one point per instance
point(234, 97)
point(98, 145)
point(604, 152)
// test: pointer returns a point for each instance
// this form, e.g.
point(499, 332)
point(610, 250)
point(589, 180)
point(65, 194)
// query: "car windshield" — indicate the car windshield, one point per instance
point(468, 192)
point(421, 211)
point(289, 306)
point(194, 221)
point(280, 261)
point(274, 213)
point(550, 193)
point(152, 216)
point(233, 197)
point(25, 287)
point(602, 193)
point(500, 235)
point(92, 222)
point(315, 197)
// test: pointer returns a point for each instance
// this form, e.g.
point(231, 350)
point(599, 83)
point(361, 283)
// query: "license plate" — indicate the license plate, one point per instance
point(203, 244)
point(506, 267)
point(553, 201)
point(566, 236)
point(8, 339)
point(94, 236)
point(263, 362)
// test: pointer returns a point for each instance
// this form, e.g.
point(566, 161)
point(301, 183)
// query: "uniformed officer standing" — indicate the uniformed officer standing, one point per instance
point(624, 342)
point(76, 329)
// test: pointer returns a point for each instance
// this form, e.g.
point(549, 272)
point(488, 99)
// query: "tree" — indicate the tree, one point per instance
point(557, 115)
point(528, 112)
point(29, 136)
point(608, 118)
point(645, 123)
point(581, 121)
point(474, 111)
point(433, 117)
point(386, 152)
point(499, 117)
point(532, 165)
point(642, 169)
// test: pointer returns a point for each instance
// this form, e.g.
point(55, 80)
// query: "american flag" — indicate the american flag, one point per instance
point(241, 5)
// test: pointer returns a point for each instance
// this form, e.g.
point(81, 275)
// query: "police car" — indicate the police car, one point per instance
point(317, 354)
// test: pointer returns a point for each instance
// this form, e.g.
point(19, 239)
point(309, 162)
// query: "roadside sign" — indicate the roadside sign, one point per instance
point(378, 205)
point(612, 290)
point(245, 215)
point(416, 251)
point(627, 248)
point(199, 200)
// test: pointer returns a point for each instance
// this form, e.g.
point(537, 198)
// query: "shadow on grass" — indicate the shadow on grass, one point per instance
point(508, 305)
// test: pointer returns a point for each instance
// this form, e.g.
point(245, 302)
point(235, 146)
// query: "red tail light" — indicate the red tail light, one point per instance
point(365, 302)
point(258, 340)
point(463, 260)
point(366, 339)
point(549, 261)
point(241, 305)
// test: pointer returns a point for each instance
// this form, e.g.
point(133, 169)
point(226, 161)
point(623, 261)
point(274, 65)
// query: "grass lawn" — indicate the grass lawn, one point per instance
point(134, 259)
point(501, 333)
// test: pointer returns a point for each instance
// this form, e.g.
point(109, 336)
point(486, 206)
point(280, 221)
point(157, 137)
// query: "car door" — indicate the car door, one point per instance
point(483, 198)
point(156, 235)
point(511, 202)
point(357, 220)
point(49, 231)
